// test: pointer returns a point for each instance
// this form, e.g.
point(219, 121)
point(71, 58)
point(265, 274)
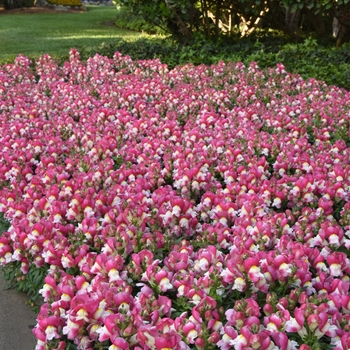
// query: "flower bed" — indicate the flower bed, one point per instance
point(74, 3)
point(197, 208)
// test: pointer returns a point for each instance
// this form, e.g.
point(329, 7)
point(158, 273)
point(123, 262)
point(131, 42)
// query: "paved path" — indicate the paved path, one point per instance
point(16, 320)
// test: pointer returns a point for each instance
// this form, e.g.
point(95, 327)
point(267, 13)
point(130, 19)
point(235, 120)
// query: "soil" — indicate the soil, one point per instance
point(25, 10)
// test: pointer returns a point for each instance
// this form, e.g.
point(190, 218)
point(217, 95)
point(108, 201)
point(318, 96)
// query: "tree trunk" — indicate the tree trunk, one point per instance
point(343, 35)
point(194, 18)
point(217, 18)
point(316, 20)
point(284, 21)
point(292, 20)
point(182, 27)
point(341, 25)
point(206, 22)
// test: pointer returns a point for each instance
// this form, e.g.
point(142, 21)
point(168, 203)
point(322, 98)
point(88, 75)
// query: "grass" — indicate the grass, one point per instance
point(36, 34)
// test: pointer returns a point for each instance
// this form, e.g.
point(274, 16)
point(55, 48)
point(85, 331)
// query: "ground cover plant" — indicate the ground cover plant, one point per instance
point(204, 207)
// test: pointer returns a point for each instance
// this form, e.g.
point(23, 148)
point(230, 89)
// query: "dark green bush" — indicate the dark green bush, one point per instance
point(65, 2)
point(329, 64)
point(12, 4)
point(127, 20)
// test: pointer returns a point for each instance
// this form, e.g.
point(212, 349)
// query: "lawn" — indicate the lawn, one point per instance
point(37, 34)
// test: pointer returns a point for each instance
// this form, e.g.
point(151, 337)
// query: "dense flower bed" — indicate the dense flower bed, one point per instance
point(65, 2)
point(198, 208)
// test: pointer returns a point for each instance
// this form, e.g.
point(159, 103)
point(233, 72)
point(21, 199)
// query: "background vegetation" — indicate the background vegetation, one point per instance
point(105, 30)
point(77, 3)
point(232, 18)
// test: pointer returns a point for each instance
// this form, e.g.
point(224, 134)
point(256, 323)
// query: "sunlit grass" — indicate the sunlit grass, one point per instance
point(80, 37)
point(36, 34)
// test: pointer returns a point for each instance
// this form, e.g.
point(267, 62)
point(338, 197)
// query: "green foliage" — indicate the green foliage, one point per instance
point(65, 2)
point(173, 53)
point(226, 17)
point(4, 224)
point(29, 283)
point(118, 161)
point(317, 6)
point(322, 62)
point(11, 4)
point(130, 21)
point(164, 14)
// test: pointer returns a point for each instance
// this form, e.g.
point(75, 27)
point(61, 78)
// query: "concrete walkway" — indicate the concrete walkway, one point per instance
point(16, 320)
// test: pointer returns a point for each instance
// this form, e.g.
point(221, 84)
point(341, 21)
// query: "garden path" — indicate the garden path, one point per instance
point(16, 320)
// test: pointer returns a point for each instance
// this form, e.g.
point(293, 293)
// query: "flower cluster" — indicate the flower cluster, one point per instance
point(202, 207)
point(65, 2)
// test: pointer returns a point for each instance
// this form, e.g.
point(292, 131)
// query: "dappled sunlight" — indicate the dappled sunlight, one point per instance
point(84, 37)
point(35, 35)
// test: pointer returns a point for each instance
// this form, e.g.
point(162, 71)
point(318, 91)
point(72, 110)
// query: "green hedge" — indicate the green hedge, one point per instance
point(65, 2)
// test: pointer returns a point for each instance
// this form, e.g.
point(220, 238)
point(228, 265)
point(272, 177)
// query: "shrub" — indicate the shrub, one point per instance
point(65, 2)
point(127, 20)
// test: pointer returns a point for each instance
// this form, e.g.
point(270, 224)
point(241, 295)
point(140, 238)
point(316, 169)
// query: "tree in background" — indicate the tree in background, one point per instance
point(12, 4)
point(177, 17)
point(183, 18)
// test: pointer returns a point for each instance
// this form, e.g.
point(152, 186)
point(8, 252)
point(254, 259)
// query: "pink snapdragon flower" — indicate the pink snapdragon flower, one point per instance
point(297, 324)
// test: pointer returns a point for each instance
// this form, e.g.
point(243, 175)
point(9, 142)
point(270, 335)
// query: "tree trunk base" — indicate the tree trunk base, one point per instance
point(343, 35)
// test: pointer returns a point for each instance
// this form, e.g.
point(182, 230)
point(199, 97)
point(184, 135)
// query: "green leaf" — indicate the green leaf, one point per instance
point(294, 8)
point(4, 224)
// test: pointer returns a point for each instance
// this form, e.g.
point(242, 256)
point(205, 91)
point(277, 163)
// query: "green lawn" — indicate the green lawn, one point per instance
point(36, 34)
